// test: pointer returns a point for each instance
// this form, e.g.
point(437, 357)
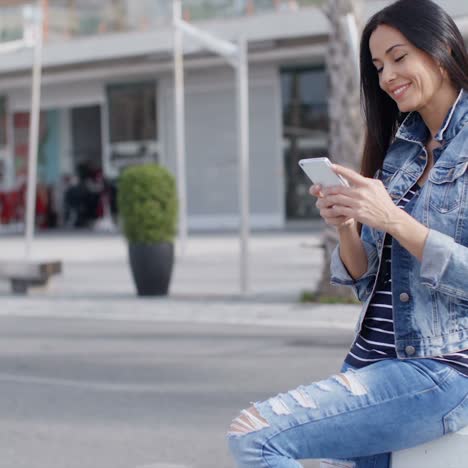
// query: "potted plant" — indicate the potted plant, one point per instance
point(148, 205)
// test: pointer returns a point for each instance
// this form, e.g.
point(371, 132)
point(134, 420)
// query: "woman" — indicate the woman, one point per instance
point(405, 378)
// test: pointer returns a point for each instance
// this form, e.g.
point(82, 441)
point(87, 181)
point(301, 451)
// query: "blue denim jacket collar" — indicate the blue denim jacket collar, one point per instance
point(414, 129)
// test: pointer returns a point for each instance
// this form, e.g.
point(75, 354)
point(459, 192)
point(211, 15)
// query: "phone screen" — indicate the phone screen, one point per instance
point(319, 171)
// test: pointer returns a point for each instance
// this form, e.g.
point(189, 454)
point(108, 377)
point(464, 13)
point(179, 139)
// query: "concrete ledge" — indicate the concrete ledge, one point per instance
point(450, 451)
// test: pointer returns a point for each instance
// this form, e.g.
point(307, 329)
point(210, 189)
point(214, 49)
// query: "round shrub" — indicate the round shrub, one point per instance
point(148, 205)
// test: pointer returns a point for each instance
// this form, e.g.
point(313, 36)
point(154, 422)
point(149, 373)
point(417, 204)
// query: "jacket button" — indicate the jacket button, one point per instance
point(404, 297)
point(410, 350)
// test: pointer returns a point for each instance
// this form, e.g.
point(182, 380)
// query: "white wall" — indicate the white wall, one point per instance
point(211, 141)
point(59, 95)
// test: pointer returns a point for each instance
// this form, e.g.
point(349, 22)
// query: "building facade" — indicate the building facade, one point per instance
point(108, 102)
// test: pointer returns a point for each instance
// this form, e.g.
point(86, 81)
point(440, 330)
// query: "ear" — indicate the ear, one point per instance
point(442, 69)
point(443, 72)
point(448, 50)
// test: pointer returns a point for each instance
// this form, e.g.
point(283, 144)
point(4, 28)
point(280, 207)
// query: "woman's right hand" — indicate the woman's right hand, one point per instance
point(326, 209)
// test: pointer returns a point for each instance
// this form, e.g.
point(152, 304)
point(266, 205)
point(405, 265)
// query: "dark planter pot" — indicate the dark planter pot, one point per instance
point(151, 266)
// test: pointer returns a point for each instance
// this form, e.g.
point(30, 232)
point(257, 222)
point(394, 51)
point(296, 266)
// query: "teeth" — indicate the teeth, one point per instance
point(398, 91)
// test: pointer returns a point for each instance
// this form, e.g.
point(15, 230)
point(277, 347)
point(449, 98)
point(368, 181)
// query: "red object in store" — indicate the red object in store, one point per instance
point(13, 206)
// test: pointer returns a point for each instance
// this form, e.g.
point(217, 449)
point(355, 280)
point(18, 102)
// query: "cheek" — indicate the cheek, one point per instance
point(429, 78)
point(428, 85)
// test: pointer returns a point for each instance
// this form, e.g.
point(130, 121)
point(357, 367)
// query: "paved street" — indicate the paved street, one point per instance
point(94, 377)
point(85, 393)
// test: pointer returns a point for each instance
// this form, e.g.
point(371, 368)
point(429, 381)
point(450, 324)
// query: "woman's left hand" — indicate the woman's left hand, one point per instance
point(366, 200)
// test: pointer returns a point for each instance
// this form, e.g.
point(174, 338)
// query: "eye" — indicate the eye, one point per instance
point(399, 59)
point(379, 70)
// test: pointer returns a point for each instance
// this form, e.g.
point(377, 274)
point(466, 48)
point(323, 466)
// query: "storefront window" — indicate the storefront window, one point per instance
point(305, 133)
point(11, 23)
point(66, 19)
point(132, 112)
point(209, 9)
point(132, 123)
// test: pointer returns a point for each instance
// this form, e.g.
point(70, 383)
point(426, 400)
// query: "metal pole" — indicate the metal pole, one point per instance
point(34, 133)
point(219, 46)
point(180, 125)
point(237, 58)
point(10, 152)
point(243, 142)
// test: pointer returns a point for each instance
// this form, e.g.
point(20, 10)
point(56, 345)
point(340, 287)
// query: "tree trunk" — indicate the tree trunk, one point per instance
point(346, 126)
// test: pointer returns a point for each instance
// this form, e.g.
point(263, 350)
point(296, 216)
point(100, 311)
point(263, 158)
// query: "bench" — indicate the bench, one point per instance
point(450, 451)
point(26, 273)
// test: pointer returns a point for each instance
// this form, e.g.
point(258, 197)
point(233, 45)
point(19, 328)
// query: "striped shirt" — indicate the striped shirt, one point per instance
point(376, 340)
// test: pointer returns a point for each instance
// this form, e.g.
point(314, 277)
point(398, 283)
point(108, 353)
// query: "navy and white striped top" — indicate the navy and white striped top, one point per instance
point(376, 341)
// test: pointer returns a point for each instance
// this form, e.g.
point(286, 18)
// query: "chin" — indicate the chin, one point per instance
point(407, 107)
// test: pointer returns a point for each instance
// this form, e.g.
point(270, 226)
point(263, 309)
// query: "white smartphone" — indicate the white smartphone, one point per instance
point(319, 171)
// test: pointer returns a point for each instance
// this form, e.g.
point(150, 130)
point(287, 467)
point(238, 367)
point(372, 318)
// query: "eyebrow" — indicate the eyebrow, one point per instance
point(389, 50)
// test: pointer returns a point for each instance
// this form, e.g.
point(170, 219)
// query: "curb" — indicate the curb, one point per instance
point(269, 314)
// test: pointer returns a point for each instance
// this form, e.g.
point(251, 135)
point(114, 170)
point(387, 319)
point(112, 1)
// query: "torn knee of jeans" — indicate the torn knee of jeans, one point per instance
point(337, 464)
point(248, 421)
point(303, 398)
point(323, 386)
point(351, 382)
point(279, 406)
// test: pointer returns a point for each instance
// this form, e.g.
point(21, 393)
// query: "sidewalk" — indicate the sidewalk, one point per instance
point(96, 281)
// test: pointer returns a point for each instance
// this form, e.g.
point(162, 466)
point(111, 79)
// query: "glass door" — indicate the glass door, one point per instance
point(305, 133)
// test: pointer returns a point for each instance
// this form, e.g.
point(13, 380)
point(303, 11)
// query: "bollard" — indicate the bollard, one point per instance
point(450, 451)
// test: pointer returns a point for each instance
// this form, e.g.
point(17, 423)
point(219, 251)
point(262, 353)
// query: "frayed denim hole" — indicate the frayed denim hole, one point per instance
point(322, 385)
point(303, 398)
point(247, 422)
point(278, 406)
point(351, 382)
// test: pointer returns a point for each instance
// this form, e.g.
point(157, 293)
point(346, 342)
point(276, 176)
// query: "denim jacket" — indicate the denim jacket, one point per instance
point(430, 298)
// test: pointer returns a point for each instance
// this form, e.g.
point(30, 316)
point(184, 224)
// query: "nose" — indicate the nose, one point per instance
point(387, 76)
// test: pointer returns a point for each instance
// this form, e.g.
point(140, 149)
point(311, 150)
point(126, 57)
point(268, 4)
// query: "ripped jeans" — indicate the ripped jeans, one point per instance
point(354, 419)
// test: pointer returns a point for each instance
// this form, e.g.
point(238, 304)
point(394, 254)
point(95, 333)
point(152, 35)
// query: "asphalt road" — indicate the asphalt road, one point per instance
point(135, 394)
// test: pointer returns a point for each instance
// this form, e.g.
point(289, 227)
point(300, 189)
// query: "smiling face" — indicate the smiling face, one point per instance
point(408, 75)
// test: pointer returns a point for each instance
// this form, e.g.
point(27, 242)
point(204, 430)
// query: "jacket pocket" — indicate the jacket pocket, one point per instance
point(446, 188)
point(458, 314)
point(457, 418)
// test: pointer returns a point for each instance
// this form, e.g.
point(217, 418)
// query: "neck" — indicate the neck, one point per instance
point(435, 112)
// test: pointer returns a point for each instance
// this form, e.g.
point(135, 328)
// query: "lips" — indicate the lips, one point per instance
point(399, 91)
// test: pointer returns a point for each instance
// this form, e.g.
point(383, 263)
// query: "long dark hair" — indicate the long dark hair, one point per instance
point(429, 28)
